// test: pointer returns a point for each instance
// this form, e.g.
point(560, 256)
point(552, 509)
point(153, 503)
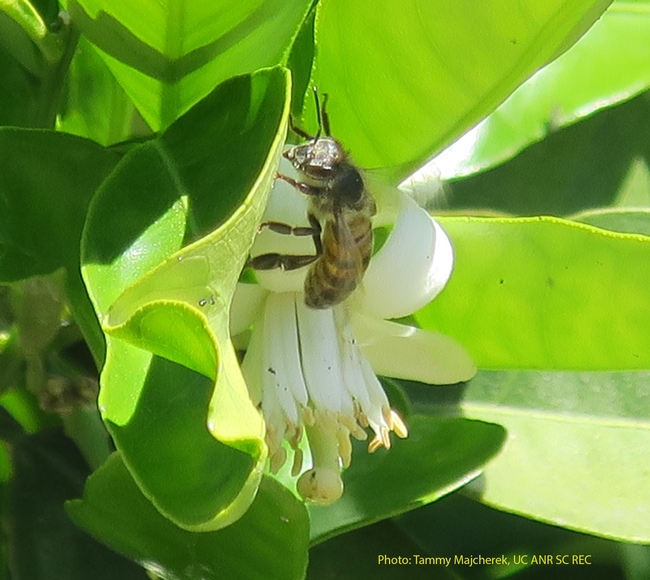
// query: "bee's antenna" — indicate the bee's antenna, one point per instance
point(298, 131)
point(318, 112)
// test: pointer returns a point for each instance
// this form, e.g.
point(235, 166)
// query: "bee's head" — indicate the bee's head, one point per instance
point(317, 160)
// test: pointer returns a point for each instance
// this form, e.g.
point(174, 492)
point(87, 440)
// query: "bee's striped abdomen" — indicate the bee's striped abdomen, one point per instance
point(347, 245)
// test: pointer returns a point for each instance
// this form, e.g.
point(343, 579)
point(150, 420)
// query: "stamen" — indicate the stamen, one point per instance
point(296, 468)
point(345, 447)
point(308, 416)
point(398, 426)
point(374, 444)
point(385, 437)
point(277, 460)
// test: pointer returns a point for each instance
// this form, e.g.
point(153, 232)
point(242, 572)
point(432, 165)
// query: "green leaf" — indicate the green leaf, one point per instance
point(95, 105)
point(603, 68)
point(46, 184)
point(406, 79)
point(438, 456)
point(168, 55)
point(191, 475)
point(18, 90)
point(165, 240)
point(579, 167)
point(631, 221)
point(457, 526)
point(45, 545)
point(269, 541)
point(362, 553)
point(544, 293)
point(21, 28)
point(572, 436)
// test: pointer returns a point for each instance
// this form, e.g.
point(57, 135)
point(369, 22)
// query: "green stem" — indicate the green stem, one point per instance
point(54, 78)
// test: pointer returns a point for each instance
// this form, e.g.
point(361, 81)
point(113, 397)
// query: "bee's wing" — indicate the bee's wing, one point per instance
point(425, 187)
point(349, 255)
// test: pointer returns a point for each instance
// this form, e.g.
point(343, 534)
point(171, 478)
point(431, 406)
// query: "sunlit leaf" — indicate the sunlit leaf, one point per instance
point(603, 68)
point(169, 55)
point(543, 293)
point(405, 79)
point(166, 238)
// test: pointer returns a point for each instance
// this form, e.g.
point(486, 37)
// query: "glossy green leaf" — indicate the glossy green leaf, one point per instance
point(603, 68)
point(577, 450)
point(575, 168)
point(169, 55)
point(197, 479)
point(439, 455)
point(46, 183)
point(269, 541)
point(45, 544)
point(406, 79)
point(165, 240)
point(631, 221)
point(543, 293)
point(95, 105)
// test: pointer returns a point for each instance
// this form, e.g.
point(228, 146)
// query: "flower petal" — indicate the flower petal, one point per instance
point(321, 359)
point(286, 205)
point(405, 352)
point(284, 372)
point(410, 269)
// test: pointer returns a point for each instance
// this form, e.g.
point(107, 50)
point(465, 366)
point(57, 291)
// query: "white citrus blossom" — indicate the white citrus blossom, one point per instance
point(312, 372)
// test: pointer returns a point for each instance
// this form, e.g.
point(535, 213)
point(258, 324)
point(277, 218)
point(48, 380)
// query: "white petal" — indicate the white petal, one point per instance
point(285, 350)
point(404, 352)
point(410, 269)
point(246, 305)
point(353, 377)
point(283, 369)
point(288, 206)
point(321, 357)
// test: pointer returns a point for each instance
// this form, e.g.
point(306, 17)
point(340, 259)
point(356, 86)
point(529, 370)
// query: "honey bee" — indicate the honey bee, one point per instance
point(340, 217)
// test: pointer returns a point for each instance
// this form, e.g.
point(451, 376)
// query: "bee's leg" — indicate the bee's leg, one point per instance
point(289, 261)
point(299, 185)
point(316, 232)
point(287, 230)
point(282, 261)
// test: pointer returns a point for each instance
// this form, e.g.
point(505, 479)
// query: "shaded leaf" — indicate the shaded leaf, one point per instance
point(577, 450)
point(437, 457)
point(269, 541)
point(45, 544)
point(579, 167)
point(381, 551)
